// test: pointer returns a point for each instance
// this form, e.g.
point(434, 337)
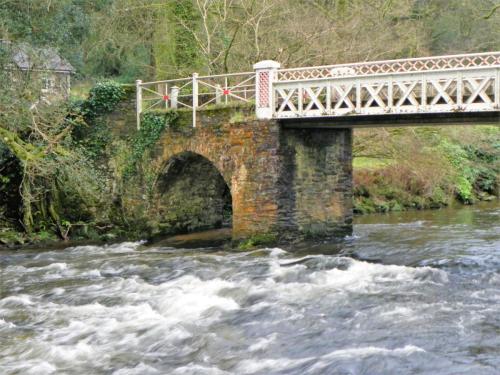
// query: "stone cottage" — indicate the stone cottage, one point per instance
point(46, 68)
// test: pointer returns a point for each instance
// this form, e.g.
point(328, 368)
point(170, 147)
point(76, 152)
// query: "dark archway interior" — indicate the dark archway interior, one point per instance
point(193, 195)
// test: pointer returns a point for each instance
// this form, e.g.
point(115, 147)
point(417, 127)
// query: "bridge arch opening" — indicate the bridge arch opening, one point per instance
point(192, 195)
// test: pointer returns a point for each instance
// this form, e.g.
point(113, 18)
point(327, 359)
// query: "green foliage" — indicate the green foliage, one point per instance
point(261, 239)
point(130, 39)
point(103, 98)
point(58, 184)
point(486, 166)
point(187, 50)
point(10, 179)
point(152, 125)
point(91, 133)
point(428, 168)
point(10, 237)
point(44, 236)
point(62, 24)
point(464, 189)
point(465, 173)
point(93, 139)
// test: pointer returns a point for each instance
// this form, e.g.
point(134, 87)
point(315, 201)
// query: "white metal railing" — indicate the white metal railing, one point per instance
point(468, 82)
point(195, 92)
point(457, 90)
point(419, 64)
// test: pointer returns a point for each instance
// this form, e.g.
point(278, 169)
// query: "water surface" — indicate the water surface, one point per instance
point(409, 293)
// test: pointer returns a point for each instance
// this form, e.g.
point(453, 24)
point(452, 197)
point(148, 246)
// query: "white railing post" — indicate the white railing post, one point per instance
point(218, 94)
point(165, 95)
point(460, 94)
point(497, 89)
point(175, 97)
point(195, 97)
point(226, 90)
point(265, 75)
point(138, 102)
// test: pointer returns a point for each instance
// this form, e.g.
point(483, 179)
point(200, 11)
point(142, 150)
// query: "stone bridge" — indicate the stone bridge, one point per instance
point(287, 168)
point(288, 182)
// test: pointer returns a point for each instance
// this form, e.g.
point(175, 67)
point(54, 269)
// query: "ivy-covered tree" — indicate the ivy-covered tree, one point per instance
point(57, 183)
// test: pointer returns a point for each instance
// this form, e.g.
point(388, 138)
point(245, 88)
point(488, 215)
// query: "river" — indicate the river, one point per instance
point(408, 293)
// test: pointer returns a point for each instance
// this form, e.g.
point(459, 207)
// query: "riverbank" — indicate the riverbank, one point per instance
point(424, 168)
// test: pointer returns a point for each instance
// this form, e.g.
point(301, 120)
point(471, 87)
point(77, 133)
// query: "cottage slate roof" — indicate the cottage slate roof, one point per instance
point(27, 57)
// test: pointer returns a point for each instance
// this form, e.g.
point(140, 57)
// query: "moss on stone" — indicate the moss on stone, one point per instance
point(261, 239)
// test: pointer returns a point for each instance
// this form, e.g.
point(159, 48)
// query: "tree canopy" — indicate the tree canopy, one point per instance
point(129, 39)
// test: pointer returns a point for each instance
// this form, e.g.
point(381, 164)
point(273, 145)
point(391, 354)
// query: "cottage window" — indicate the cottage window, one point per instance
point(48, 83)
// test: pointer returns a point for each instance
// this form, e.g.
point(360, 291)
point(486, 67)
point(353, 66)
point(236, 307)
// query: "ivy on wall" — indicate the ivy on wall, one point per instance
point(152, 126)
point(92, 133)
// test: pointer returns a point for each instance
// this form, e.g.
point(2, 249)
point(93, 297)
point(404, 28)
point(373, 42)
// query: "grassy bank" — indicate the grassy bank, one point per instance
point(429, 167)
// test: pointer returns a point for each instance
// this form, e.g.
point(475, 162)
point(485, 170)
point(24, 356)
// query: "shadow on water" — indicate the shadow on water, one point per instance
point(213, 238)
point(221, 239)
point(412, 226)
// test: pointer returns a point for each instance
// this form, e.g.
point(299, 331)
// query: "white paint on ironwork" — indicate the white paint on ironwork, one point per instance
point(468, 90)
point(138, 102)
point(195, 97)
point(342, 71)
point(265, 75)
point(175, 97)
point(196, 92)
point(458, 83)
point(420, 64)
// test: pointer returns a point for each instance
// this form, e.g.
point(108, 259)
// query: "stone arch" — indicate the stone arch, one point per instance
point(192, 194)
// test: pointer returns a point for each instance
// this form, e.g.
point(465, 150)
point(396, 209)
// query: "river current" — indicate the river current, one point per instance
point(409, 293)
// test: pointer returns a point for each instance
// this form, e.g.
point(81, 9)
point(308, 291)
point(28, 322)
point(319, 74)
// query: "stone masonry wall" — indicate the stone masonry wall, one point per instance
point(246, 155)
point(316, 182)
point(292, 182)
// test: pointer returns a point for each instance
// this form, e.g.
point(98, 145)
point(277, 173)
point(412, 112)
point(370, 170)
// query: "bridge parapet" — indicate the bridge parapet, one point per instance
point(413, 65)
point(459, 90)
point(195, 93)
point(442, 84)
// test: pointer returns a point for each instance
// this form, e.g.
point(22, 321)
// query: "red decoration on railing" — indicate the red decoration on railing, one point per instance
point(226, 92)
point(264, 89)
point(166, 97)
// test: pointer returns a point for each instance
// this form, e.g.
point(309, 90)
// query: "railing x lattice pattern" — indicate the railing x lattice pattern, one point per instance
point(423, 85)
point(458, 83)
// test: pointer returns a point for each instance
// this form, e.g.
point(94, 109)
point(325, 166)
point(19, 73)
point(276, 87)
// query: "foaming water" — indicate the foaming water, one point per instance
point(405, 294)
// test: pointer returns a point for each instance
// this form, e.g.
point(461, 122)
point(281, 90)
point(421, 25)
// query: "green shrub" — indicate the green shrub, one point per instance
point(103, 98)
point(464, 189)
point(91, 132)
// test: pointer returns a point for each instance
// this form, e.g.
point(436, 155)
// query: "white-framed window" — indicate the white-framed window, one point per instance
point(48, 84)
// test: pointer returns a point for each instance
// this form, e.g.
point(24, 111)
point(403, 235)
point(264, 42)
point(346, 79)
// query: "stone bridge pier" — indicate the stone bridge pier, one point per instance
point(292, 183)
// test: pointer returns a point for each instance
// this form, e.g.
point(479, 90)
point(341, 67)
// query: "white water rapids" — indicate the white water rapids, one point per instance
point(414, 297)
